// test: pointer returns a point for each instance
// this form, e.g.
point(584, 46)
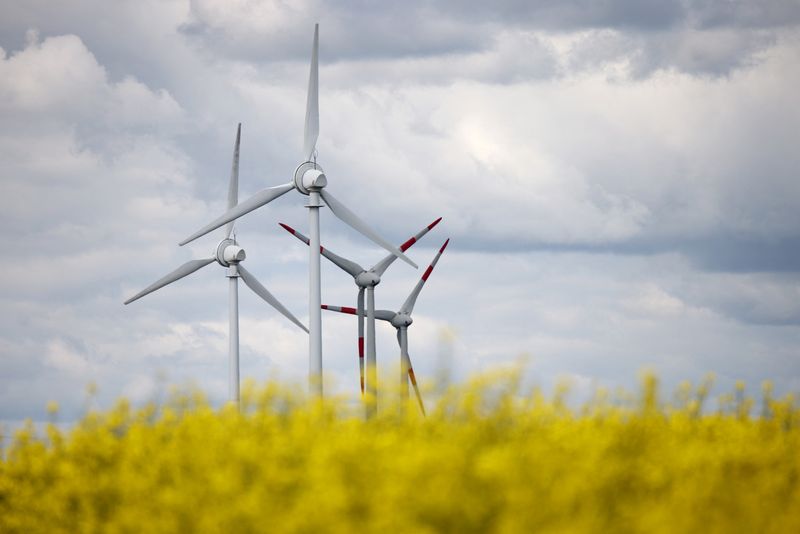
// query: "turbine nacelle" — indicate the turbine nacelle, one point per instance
point(401, 319)
point(309, 176)
point(228, 252)
point(368, 279)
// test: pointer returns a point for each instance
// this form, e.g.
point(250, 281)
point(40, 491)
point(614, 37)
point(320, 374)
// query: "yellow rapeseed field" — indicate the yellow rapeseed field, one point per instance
point(487, 458)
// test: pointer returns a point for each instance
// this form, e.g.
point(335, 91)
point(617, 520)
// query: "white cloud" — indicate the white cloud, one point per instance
point(60, 78)
point(654, 301)
point(64, 358)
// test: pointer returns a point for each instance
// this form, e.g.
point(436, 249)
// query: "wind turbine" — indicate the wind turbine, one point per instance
point(309, 179)
point(401, 320)
point(228, 254)
point(365, 279)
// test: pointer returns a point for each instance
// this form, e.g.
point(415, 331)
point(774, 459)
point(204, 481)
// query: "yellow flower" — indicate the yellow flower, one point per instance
point(489, 457)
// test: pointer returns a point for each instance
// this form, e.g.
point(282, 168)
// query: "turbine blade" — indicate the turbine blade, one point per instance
point(347, 216)
point(408, 305)
point(411, 375)
point(416, 388)
point(256, 201)
point(341, 309)
point(360, 312)
point(384, 264)
point(233, 184)
point(311, 130)
point(350, 267)
point(262, 292)
point(383, 315)
point(184, 270)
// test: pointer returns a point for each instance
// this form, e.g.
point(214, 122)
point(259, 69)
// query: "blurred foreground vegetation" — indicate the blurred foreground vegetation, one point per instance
point(488, 458)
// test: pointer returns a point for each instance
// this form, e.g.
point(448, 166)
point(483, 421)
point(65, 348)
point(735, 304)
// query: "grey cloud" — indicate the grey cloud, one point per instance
point(264, 31)
point(702, 167)
point(743, 13)
point(513, 57)
point(705, 53)
point(706, 38)
point(701, 38)
point(768, 299)
point(737, 254)
point(577, 14)
point(716, 254)
point(647, 15)
point(362, 30)
point(700, 52)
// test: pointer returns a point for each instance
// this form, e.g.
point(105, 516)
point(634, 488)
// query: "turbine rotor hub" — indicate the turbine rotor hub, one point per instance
point(228, 252)
point(309, 176)
point(401, 319)
point(368, 279)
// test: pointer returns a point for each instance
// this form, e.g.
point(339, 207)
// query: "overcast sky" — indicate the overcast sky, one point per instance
point(619, 181)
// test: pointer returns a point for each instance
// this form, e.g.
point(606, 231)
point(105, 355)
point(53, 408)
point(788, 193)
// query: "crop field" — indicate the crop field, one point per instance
point(487, 458)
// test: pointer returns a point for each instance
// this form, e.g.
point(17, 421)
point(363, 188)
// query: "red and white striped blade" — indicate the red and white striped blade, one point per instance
point(384, 264)
point(295, 233)
point(411, 374)
point(383, 315)
point(340, 309)
point(408, 305)
point(416, 388)
point(405, 246)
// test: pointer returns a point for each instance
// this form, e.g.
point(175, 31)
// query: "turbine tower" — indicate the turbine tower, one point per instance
point(230, 255)
point(365, 279)
point(309, 179)
point(401, 320)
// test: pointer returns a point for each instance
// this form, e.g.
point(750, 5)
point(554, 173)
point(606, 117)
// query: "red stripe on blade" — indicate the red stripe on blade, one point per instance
point(325, 307)
point(346, 309)
point(434, 223)
point(427, 272)
point(411, 376)
point(407, 244)
point(361, 347)
point(444, 246)
point(287, 228)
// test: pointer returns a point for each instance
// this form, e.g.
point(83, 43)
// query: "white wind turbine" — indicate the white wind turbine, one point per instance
point(365, 279)
point(228, 254)
point(401, 320)
point(308, 179)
